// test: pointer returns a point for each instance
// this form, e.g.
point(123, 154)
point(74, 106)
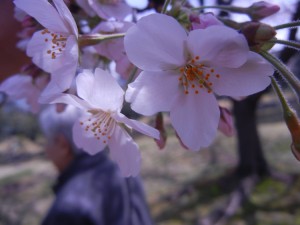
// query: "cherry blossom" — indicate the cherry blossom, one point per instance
point(114, 49)
point(102, 99)
point(107, 9)
point(21, 86)
point(84, 4)
point(204, 20)
point(183, 72)
point(54, 49)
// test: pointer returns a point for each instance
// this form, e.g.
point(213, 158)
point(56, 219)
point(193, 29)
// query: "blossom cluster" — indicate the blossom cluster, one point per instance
point(163, 64)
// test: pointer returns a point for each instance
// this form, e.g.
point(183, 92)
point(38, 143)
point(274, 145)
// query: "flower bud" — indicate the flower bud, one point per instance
point(204, 20)
point(226, 122)
point(181, 14)
point(293, 125)
point(159, 125)
point(261, 10)
point(257, 33)
point(291, 120)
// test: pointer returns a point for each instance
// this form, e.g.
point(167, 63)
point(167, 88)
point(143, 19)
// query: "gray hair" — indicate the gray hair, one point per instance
point(54, 123)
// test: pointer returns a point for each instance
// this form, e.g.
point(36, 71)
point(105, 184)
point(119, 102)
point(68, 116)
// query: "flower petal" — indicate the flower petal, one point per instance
point(156, 43)
point(66, 16)
point(37, 49)
point(51, 96)
point(101, 90)
point(21, 86)
point(153, 92)
point(85, 139)
point(195, 117)
point(137, 125)
point(125, 68)
point(118, 10)
point(124, 151)
point(250, 78)
point(86, 7)
point(44, 13)
point(218, 45)
point(16, 86)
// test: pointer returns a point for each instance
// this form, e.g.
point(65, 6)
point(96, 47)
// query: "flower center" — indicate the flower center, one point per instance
point(196, 76)
point(58, 43)
point(101, 124)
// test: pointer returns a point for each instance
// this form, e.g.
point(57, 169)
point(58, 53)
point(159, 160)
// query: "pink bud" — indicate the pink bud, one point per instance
point(261, 10)
point(159, 125)
point(257, 34)
point(226, 122)
point(204, 20)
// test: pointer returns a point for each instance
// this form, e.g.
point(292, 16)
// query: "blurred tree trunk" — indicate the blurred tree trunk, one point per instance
point(251, 158)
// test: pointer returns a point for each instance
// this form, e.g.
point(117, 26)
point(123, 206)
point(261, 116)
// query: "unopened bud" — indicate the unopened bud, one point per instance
point(159, 125)
point(293, 125)
point(291, 120)
point(204, 20)
point(261, 10)
point(257, 34)
point(226, 122)
point(181, 14)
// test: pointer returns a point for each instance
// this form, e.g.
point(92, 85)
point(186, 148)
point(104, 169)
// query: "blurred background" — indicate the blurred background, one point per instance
point(250, 178)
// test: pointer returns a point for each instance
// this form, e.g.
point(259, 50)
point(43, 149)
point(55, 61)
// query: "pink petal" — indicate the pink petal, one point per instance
point(67, 65)
point(250, 78)
point(51, 97)
point(85, 139)
point(138, 126)
point(44, 13)
point(66, 16)
point(156, 43)
point(205, 20)
point(124, 151)
point(195, 118)
point(37, 49)
point(218, 45)
point(100, 90)
point(15, 86)
point(153, 92)
point(124, 68)
point(112, 49)
point(86, 7)
point(226, 122)
point(105, 11)
point(22, 87)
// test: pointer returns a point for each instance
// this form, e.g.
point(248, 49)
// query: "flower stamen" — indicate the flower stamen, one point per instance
point(100, 124)
point(192, 76)
point(58, 43)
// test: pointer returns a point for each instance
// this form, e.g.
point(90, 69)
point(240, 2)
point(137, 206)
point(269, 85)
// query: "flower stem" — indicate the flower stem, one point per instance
point(288, 25)
point(291, 44)
point(284, 104)
point(164, 8)
point(291, 120)
point(93, 39)
point(224, 7)
point(284, 71)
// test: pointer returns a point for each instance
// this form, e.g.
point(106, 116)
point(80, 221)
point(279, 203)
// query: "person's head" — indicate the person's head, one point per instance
point(57, 128)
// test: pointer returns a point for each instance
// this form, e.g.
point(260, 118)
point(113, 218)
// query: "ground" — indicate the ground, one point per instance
point(182, 187)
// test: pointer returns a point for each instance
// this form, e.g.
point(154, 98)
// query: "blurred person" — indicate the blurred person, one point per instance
point(89, 189)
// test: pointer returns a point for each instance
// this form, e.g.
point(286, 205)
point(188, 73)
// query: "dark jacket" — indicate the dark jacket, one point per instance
point(92, 192)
